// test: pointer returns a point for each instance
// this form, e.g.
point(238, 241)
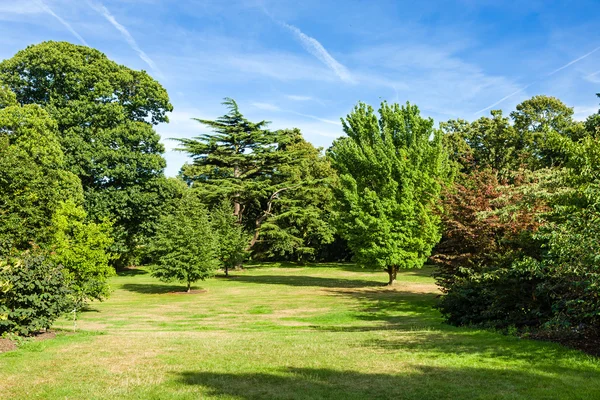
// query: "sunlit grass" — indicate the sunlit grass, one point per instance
point(288, 332)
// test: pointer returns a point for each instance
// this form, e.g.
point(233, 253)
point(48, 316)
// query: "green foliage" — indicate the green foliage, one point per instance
point(81, 247)
point(34, 293)
point(104, 113)
point(524, 256)
point(230, 237)
point(268, 177)
point(184, 247)
point(391, 171)
point(7, 97)
point(34, 181)
point(300, 221)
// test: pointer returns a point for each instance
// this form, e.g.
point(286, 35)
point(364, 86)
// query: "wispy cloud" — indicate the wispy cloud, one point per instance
point(505, 98)
point(47, 9)
point(298, 98)
point(274, 108)
point(567, 65)
point(315, 48)
point(110, 18)
point(574, 61)
point(266, 106)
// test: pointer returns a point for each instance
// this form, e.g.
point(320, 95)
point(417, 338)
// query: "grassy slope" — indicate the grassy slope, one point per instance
point(322, 332)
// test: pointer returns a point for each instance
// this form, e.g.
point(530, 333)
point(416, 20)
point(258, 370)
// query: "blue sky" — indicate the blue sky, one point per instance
point(305, 64)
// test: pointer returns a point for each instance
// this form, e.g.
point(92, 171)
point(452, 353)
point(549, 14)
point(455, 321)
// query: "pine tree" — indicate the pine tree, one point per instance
point(391, 172)
point(245, 163)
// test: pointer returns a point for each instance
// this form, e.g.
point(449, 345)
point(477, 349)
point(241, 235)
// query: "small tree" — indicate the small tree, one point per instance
point(232, 240)
point(391, 169)
point(82, 248)
point(184, 248)
point(34, 292)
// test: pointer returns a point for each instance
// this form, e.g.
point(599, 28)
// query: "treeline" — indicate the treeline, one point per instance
point(506, 207)
point(520, 250)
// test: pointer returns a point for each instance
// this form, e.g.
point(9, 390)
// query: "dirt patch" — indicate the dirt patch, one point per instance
point(195, 291)
point(8, 345)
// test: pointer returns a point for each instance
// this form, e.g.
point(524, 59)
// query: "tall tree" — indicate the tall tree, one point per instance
point(301, 220)
point(230, 161)
point(33, 182)
point(247, 164)
point(391, 172)
point(104, 113)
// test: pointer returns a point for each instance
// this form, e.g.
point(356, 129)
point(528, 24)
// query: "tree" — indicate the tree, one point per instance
point(391, 172)
point(81, 247)
point(300, 221)
point(230, 162)
point(534, 119)
point(33, 182)
point(104, 114)
point(254, 168)
point(184, 247)
point(231, 238)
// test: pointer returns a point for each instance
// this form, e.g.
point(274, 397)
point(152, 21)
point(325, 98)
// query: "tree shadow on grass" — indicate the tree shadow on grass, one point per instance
point(302, 280)
point(415, 382)
point(132, 272)
point(421, 329)
point(154, 288)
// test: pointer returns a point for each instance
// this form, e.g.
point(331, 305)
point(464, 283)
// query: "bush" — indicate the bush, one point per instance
point(34, 293)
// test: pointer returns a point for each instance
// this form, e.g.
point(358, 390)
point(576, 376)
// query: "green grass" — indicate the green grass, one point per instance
point(288, 332)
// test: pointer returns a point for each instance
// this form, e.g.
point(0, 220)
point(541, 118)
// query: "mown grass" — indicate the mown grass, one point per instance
point(288, 332)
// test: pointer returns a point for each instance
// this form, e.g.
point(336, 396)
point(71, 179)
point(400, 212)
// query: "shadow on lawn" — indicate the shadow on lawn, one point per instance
point(131, 272)
point(302, 280)
point(417, 382)
point(423, 330)
point(153, 288)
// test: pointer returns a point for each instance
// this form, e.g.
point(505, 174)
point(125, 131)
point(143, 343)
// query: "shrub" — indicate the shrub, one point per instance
point(34, 293)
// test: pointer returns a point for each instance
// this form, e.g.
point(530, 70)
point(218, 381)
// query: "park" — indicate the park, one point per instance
point(169, 235)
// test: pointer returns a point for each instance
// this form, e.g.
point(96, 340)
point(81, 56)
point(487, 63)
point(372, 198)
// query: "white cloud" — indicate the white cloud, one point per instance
point(582, 112)
point(132, 43)
point(433, 77)
point(47, 9)
point(266, 106)
point(590, 77)
point(574, 61)
point(298, 98)
point(315, 48)
point(504, 98)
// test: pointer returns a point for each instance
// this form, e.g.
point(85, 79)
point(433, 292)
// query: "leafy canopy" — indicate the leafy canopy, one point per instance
point(184, 248)
point(104, 114)
point(391, 169)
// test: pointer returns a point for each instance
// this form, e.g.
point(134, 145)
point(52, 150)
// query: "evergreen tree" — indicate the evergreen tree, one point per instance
point(391, 172)
point(254, 168)
point(184, 247)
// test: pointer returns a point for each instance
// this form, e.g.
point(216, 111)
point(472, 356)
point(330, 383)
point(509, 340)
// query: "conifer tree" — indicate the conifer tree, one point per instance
point(391, 172)
point(252, 167)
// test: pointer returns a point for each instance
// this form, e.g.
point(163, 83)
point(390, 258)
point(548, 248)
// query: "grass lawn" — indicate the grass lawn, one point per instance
point(273, 332)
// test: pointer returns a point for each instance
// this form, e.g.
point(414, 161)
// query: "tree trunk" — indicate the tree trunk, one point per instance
point(226, 270)
point(392, 270)
point(189, 286)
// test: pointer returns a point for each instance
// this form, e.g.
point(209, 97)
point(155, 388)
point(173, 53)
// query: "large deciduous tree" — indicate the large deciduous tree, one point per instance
point(391, 168)
point(104, 114)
